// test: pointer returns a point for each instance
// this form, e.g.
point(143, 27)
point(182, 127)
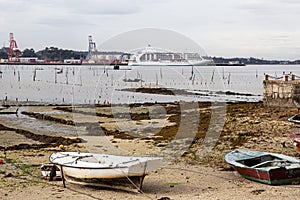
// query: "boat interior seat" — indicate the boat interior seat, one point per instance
point(272, 163)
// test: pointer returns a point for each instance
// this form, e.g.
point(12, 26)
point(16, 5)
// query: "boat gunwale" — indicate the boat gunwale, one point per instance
point(88, 168)
point(72, 164)
point(236, 163)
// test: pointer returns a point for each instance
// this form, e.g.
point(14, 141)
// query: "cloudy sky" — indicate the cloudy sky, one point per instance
point(266, 29)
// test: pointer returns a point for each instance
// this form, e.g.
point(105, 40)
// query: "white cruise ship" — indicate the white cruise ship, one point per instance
point(151, 56)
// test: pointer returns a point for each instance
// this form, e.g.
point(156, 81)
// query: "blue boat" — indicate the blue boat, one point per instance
point(264, 167)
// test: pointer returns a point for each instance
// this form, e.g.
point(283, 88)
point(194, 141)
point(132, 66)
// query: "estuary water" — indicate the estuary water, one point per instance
point(84, 84)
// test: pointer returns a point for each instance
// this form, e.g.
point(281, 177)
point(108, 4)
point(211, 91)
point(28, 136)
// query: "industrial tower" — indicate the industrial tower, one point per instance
point(92, 47)
point(13, 52)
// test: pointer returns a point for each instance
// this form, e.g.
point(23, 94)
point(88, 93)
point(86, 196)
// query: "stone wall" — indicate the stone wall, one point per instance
point(282, 93)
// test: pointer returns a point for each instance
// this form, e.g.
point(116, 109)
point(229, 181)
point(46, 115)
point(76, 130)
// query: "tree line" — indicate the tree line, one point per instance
point(254, 61)
point(49, 53)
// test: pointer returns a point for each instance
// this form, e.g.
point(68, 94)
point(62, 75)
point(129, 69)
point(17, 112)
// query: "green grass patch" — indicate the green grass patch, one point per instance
point(25, 166)
point(26, 169)
point(8, 160)
point(172, 184)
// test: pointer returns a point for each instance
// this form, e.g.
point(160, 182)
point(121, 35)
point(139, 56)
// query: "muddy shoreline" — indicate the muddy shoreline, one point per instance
point(246, 125)
point(47, 141)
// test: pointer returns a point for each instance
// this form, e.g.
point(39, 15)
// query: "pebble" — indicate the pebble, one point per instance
point(8, 175)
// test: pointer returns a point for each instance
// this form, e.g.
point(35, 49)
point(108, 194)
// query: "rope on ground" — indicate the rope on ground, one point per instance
point(189, 170)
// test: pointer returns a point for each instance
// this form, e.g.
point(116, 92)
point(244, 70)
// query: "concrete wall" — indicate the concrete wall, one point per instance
point(282, 93)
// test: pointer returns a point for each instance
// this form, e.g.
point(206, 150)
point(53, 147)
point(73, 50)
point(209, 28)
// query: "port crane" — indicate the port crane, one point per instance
point(13, 52)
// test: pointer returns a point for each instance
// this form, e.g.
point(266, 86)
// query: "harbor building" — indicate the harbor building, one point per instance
point(282, 91)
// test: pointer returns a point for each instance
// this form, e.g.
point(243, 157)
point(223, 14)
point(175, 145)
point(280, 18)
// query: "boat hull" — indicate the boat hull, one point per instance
point(263, 167)
point(279, 176)
point(160, 64)
point(132, 183)
point(295, 119)
point(296, 139)
point(169, 63)
point(134, 170)
point(105, 170)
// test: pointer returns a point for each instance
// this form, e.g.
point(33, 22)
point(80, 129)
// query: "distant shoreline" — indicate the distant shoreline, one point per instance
point(40, 64)
point(71, 64)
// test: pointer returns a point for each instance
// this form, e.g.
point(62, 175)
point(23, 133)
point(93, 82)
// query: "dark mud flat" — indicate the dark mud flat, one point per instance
point(246, 125)
point(174, 113)
point(44, 141)
point(173, 91)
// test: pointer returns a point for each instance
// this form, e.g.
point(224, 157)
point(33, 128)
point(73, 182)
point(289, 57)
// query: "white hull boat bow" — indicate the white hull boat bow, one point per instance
point(104, 169)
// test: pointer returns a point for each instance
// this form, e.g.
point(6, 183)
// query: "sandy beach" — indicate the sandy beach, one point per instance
point(189, 176)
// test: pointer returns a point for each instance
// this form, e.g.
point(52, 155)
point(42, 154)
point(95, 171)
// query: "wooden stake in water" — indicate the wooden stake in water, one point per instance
point(192, 73)
point(212, 76)
point(67, 80)
point(34, 74)
point(19, 77)
point(55, 76)
point(193, 80)
point(138, 74)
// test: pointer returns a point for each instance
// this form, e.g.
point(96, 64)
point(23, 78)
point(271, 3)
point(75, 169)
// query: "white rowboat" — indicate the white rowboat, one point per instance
point(104, 169)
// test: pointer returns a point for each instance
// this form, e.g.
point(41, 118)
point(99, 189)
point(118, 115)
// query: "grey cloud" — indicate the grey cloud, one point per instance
point(276, 39)
point(12, 6)
point(112, 7)
point(94, 7)
point(270, 6)
point(64, 22)
point(289, 1)
point(225, 21)
point(253, 6)
point(87, 7)
point(280, 37)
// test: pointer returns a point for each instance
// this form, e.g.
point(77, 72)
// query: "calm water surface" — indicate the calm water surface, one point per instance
point(102, 84)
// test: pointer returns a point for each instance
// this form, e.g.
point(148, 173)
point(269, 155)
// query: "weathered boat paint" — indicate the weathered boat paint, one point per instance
point(268, 168)
point(296, 139)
